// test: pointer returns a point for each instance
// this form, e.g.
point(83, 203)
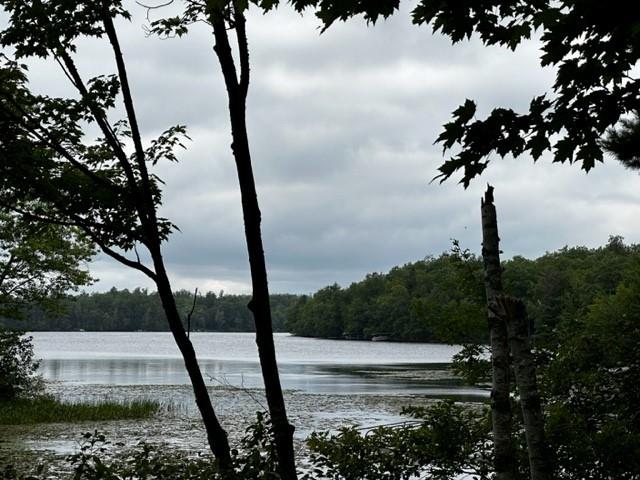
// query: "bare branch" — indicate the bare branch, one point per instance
point(153, 7)
point(242, 388)
point(193, 307)
point(119, 257)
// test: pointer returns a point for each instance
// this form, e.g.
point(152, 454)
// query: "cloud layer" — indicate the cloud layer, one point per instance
point(342, 128)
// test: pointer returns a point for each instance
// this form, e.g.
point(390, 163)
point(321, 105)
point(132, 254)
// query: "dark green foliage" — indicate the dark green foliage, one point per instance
point(139, 309)
point(589, 379)
point(472, 364)
point(586, 304)
point(442, 299)
point(17, 367)
point(592, 385)
point(39, 263)
point(592, 44)
point(50, 171)
point(429, 300)
point(624, 142)
point(445, 441)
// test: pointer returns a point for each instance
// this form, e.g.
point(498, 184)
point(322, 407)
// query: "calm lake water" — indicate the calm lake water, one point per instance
point(307, 365)
point(327, 384)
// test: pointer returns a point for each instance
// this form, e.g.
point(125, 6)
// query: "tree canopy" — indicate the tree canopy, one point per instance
point(39, 263)
point(139, 309)
point(52, 171)
point(441, 299)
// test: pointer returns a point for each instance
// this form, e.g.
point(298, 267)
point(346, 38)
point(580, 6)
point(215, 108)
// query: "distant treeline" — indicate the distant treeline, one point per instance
point(441, 299)
point(438, 299)
point(125, 310)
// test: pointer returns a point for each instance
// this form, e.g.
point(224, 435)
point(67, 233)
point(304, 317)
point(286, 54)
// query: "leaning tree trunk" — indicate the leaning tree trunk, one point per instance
point(515, 316)
point(504, 458)
point(237, 89)
point(216, 435)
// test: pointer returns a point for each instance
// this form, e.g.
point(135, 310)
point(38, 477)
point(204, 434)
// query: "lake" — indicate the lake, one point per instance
point(306, 364)
point(327, 383)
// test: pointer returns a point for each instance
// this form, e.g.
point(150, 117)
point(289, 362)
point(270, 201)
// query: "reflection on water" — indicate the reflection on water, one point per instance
point(327, 383)
point(320, 379)
point(307, 365)
point(235, 346)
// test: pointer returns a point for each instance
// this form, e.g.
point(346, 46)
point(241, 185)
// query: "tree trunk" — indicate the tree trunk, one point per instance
point(216, 436)
point(237, 89)
point(504, 458)
point(515, 316)
point(259, 304)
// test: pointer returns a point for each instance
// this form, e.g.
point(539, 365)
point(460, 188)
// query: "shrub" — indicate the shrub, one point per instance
point(18, 377)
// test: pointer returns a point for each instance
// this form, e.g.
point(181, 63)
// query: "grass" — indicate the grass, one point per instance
point(46, 409)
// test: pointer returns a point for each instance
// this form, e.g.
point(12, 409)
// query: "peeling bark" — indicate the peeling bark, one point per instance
point(515, 316)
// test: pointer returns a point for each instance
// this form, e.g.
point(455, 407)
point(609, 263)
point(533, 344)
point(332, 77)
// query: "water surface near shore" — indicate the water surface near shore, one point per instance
point(327, 383)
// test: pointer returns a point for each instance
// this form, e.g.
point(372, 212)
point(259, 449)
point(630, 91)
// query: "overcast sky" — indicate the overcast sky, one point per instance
point(342, 126)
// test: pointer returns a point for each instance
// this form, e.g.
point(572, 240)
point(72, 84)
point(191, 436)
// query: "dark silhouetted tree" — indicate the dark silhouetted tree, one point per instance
point(51, 173)
point(623, 142)
point(227, 18)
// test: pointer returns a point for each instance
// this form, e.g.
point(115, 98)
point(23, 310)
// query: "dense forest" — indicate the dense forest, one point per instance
point(125, 310)
point(442, 298)
point(438, 299)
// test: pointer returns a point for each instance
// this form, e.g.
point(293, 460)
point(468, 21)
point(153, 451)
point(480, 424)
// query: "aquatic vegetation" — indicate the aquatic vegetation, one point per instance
point(46, 409)
point(254, 459)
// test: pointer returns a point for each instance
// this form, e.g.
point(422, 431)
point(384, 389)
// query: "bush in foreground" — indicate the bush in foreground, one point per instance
point(18, 377)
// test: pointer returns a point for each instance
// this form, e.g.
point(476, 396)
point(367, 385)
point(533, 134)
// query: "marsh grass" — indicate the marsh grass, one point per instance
point(46, 409)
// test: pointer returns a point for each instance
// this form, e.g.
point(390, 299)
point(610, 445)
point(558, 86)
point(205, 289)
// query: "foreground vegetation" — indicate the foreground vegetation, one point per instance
point(46, 409)
point(97, 460)
point(23, 399)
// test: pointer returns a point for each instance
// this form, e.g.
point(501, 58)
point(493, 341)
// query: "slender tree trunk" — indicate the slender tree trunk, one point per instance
point(504, 459)
point(216, 436)
point(237, 89)
point(515, 316)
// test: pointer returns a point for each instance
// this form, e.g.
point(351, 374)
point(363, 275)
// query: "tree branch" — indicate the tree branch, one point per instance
point(124, 260)
point(126, 95)
point(102, 122)
point(223, 51)
point(45, 137)
point(6, 269)
point(193, 307)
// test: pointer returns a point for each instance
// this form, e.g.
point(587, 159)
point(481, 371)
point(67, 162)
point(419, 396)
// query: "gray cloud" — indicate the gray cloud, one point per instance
point(342, 128)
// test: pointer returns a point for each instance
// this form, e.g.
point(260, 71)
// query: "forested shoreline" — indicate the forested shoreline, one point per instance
point(442, 299)
point(438, 299)
point(139, 309)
